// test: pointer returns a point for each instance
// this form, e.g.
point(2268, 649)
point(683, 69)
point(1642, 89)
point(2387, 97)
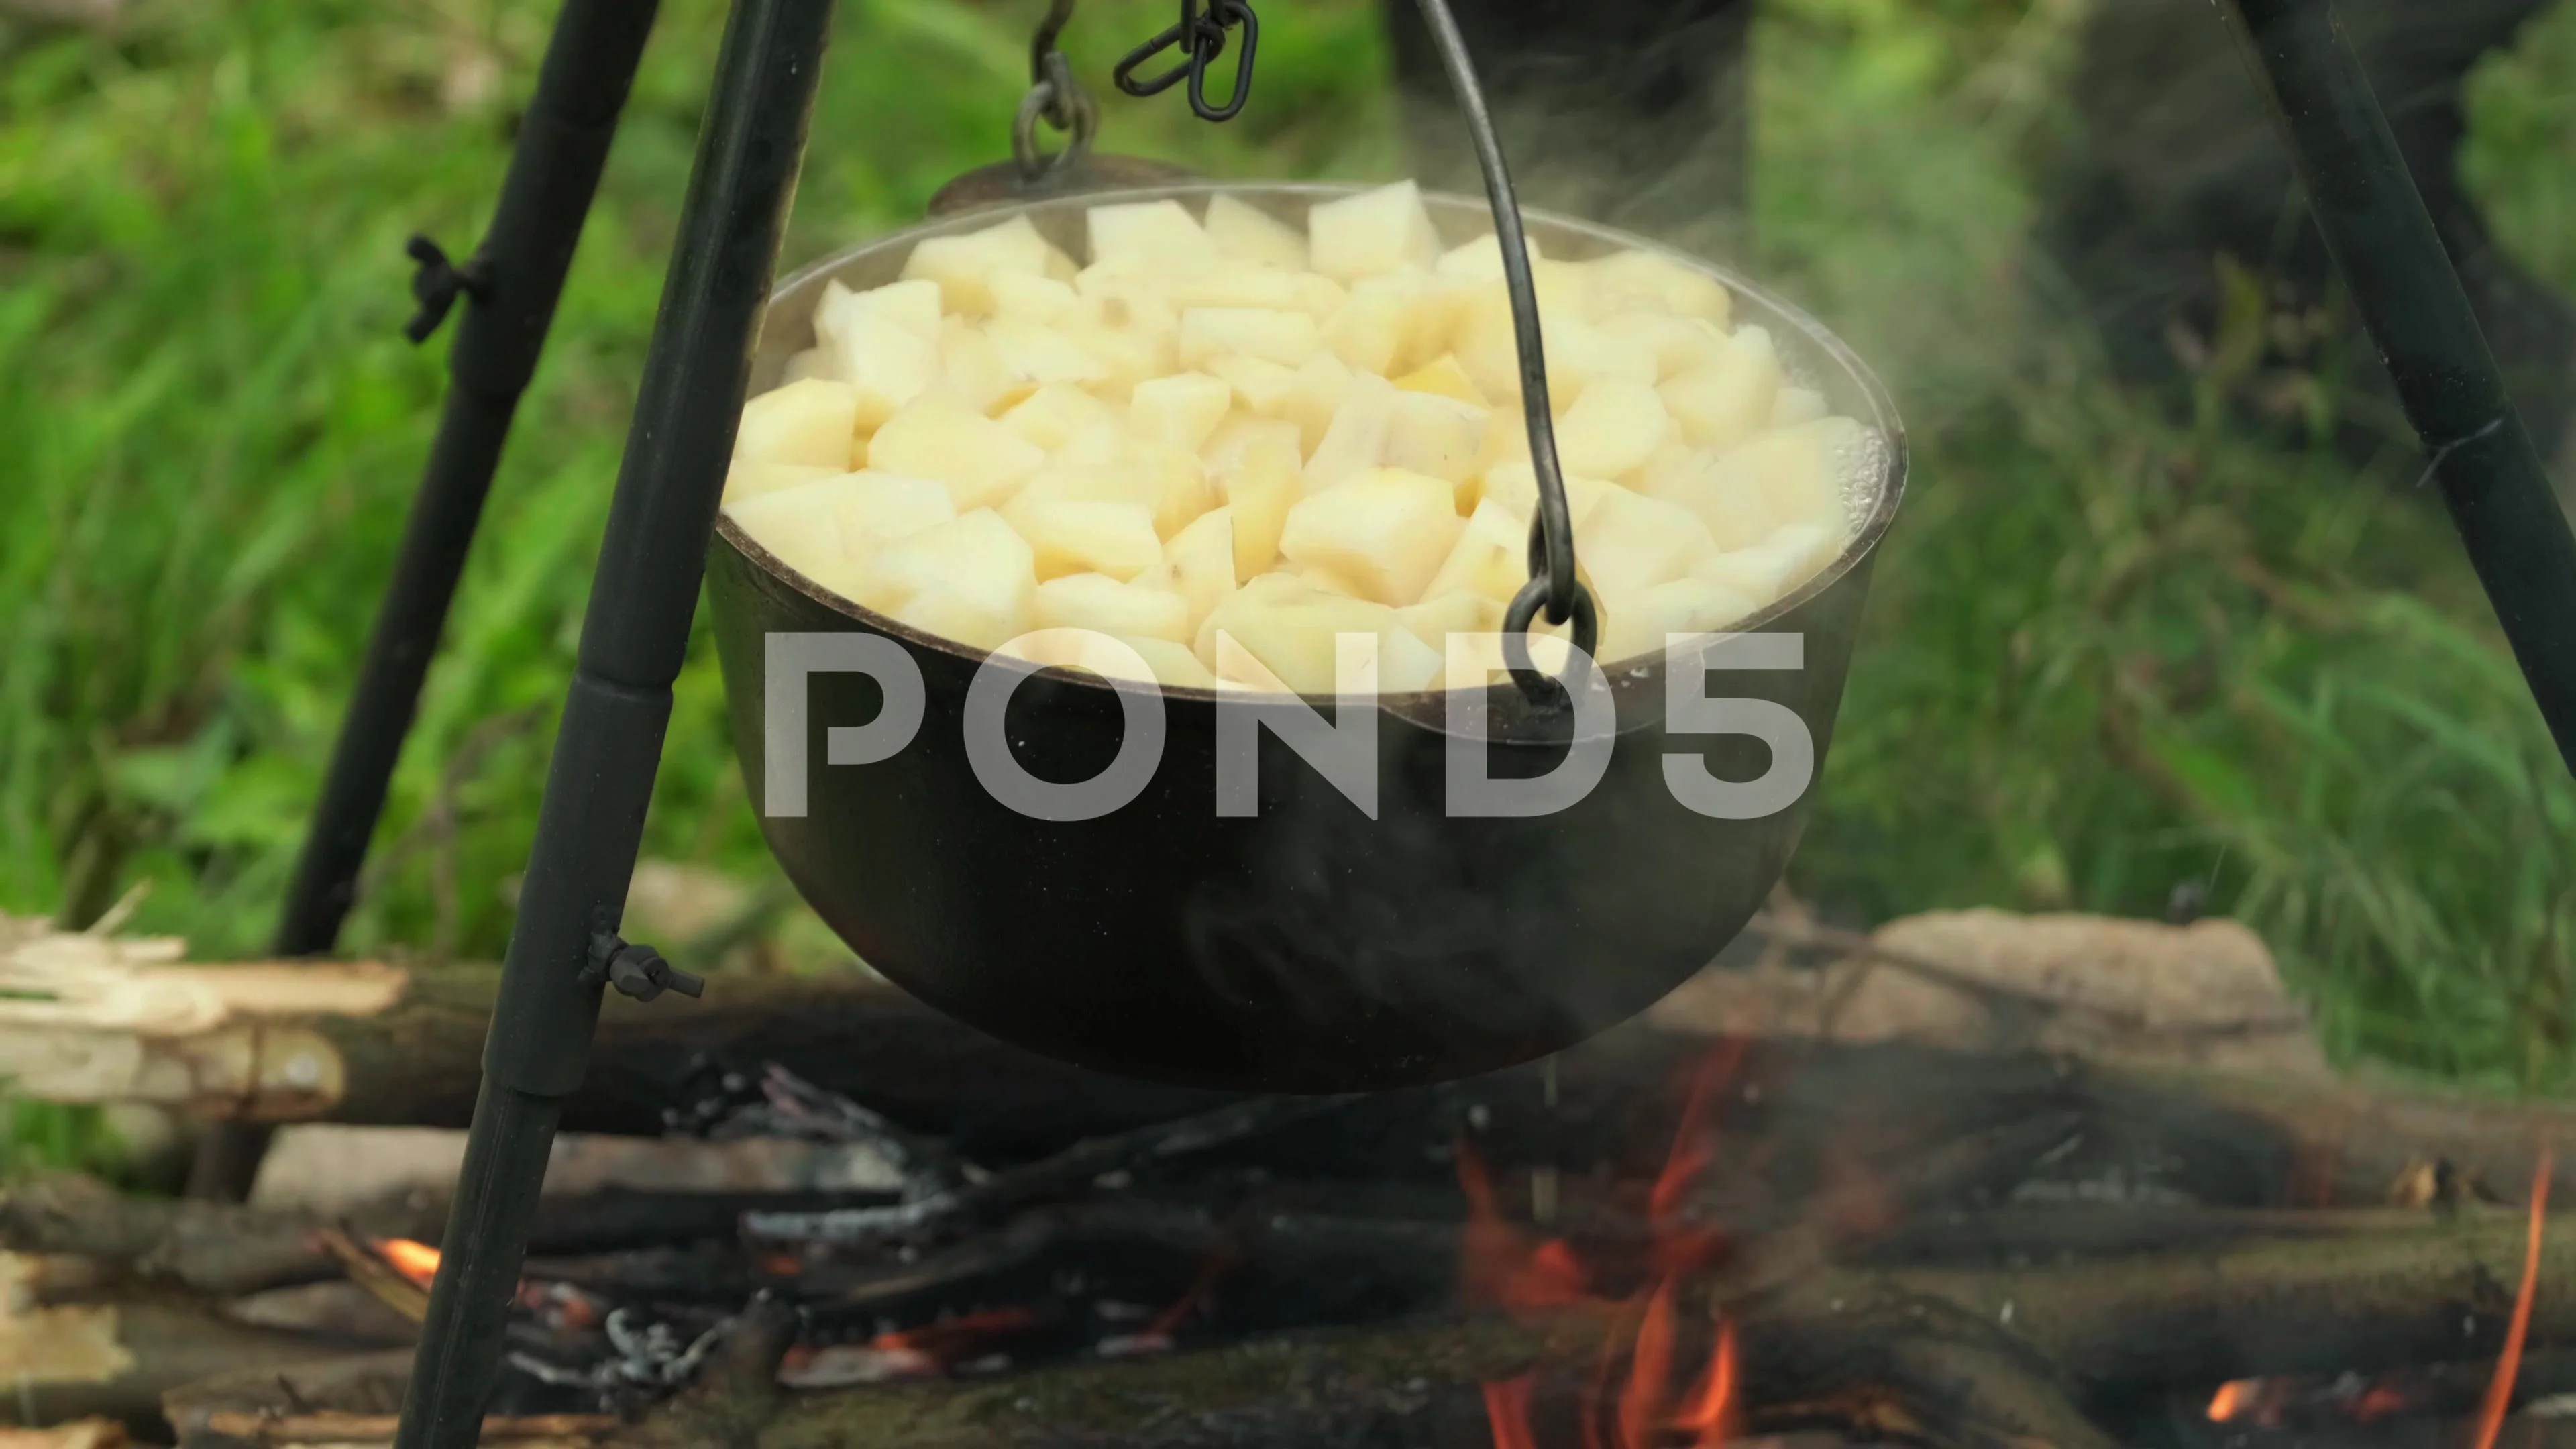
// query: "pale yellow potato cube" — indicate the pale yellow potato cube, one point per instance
point(1481, 260)
point(1489, 560)
point(875, 509)
point(812, 362)
point(1147, 233)
point(1796, 405)
point(1044, 354)
point(1271, 333)
point(1405, 664)
point(886, 361)
point(1322, 381)
point(1034, 300)
point(972, 373)
point(1261, 482)
point(1200, 561)
point(967, 268)
point(1440, 436)
point(971, 579)
point(1099, 602)
point(1675, 344)
point(1166, 480)
point(1320, 297)
point(1163, 662)
point(1232, 285)
point(1488, 347)
point(1244, 232)
point(1458, 611)
point(1356, 439)
point(1775, 567)
point(1370, 330)
point(811, 423)
point(1292, 634)
point(1386, 530)
point(1180, 410)
point(1443, 377)
point(1087, 535)
point(1672, 467)
point(1633, 541)
point(1058, 413)
point(1264, 386)
point(1725, 402)
point(981, 461)
point(1234, 667)
point(746, 479)
point(1778, 480)
point(1174, 666)
point(1372, 234)
point(801, 526)
point(1613, 428)
point(1514, 486)
point(1659, 281)
point(1687, 605)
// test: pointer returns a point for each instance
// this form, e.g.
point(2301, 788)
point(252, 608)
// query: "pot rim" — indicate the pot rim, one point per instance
point(1426, 704)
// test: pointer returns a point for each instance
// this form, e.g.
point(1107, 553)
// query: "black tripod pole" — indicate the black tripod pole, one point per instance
point(632, 641)
point(509, 288)
point(2410, 299)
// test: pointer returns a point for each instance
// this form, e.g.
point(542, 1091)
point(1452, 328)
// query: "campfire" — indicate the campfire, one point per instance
point(1737, 1221)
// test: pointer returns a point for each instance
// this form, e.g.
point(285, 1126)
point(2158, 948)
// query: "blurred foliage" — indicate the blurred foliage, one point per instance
point(2115, 649)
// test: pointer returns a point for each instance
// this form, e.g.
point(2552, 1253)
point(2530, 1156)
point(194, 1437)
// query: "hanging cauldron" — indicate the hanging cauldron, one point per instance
point(1307, 948)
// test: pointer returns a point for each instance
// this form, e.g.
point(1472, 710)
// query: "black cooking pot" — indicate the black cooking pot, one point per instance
point(1308, 948)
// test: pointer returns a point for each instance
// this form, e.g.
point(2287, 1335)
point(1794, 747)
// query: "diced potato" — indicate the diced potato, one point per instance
point(1372, 234)
point(1165, 663)
point(1292, 634)
point(968, 269)
point(1480, 260)
point(972, 373)
point(1033, 300)
point(1613, 428)
point(1773, 568)
point(1174, 666)
point(1245, 233)
point(1320, 297)
point(1795, 405)
point(812, 362)
point(811, 423)
point(749, 480)
point(1639, 541)
point(1726, 402)
point(1166, 480)
point(1134, 339)
point(1201, 560)
point(1264, 386)
point(979, 460)
point(1322, 381)
point(1263, 482)
point(1370, 330)
point(1405, 664)
point(971, 579)
point(1489, 561)
point(1676, 344)
point(1459, 611)
point(1660, 281)
point(875, 509)
point(1688, 605)
point(1387, 530)
point(1356, 440)
point(1144, 234)
point(1099, 602)
point(1180, 410)
point(1087, 535)
point(1272, 334)
point(1779, 480)
point(1488, 347)
point(1044, 354)
point(1443, 377)
point(802, 527)
point(1231, 285)
point(1058, 413)
point(1440, 436)
point(1515, 487)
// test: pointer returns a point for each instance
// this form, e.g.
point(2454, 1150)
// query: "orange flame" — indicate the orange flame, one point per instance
point(951, 1339)
point(1501, 1270)
point(2500, 1388)
point(2233, 1398)
point(416, 1261)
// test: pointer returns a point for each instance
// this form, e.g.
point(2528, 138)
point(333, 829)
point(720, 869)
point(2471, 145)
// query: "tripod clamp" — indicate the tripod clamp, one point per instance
point(438, 283)
point(637, 970)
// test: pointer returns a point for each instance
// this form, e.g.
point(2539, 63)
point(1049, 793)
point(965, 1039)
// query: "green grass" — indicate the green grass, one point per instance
point(2113, 649)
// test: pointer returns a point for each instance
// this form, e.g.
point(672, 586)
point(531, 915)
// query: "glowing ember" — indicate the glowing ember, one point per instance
point(2233, 1399)
point(948, 1341)
point(416, 1261)
point(1637, 1411)
point(2500, 1389)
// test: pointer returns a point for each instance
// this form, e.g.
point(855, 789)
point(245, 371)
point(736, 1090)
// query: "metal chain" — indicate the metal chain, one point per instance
point(1056, 98)
point(1201, 39)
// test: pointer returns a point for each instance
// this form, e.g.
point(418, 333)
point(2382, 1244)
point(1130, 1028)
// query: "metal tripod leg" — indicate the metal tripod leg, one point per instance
point(509, 290)
point(632, 642)
point(2411, 300)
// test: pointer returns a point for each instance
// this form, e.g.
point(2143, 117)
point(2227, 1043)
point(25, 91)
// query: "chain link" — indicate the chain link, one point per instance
point(1056, 98)
point(1201, 39)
